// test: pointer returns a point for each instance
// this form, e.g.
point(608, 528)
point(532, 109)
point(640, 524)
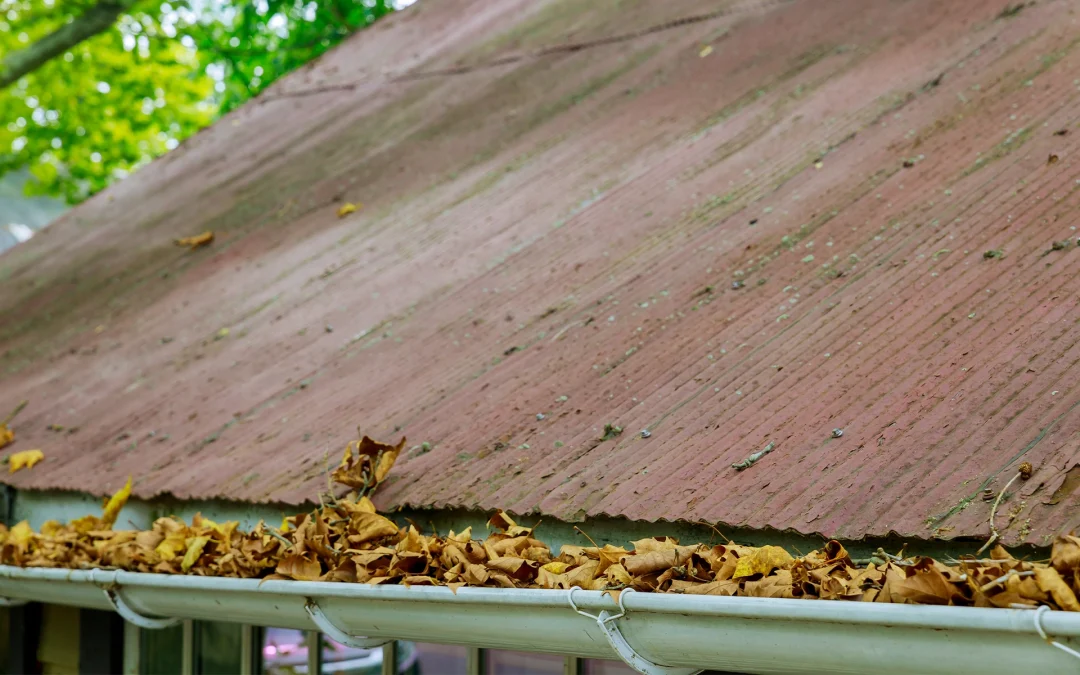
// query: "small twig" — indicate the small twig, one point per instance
point(1003, 578)
point(895, 559)
point(563, 330)
point(18, 409)
point(749, 461)
point(587, 537)
point(994, 534)
point(280, 538)
point(713, 528)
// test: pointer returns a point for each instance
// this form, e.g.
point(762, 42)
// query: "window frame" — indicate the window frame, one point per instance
point(476, 660)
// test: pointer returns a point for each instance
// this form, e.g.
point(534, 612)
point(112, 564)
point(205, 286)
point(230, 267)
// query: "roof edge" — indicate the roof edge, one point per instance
point(38, 506)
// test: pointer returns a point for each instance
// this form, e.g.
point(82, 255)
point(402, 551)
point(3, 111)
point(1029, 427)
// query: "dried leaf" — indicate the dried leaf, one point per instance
point(762, 561)
point(502, 522)
point(775, 586)
point(583, 575)
point(1051, 582)
point(609, 555)
point(345, 572)
point(171, 545)
point(300, 568)
point(7, 436)
point(366, 463)
point(21, 534)
point(364, 527)
point(116, 503)
point(654, 544)
point(197, 241)
point(617, 575)
point(1065, 554)
point(24, 459)
point(195, 547)
point(923, 585)
point(516, 568)
point(713, 588)
point(657, 560)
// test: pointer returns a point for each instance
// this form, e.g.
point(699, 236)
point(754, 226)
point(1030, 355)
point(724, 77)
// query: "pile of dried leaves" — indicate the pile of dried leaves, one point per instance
point(346, 540)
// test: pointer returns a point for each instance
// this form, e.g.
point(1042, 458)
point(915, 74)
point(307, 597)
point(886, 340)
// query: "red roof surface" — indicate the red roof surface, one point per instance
point(560, 232)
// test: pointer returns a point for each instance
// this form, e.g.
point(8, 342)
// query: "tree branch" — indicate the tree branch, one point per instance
point(95, 20)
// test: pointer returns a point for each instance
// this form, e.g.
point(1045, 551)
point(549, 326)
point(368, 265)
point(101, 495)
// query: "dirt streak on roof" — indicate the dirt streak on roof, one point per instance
point(742, 231)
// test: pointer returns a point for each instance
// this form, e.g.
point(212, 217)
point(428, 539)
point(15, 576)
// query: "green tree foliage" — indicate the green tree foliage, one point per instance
point(162, 71)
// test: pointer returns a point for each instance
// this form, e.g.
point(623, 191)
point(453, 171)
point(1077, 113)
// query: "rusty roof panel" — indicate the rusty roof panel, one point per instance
point(737, 228)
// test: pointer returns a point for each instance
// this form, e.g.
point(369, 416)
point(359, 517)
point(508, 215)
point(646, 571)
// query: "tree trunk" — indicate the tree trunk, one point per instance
point(95, 20)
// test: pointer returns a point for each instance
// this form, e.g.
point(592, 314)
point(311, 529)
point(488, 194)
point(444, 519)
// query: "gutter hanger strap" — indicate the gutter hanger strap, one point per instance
point(133, 617)
point(336, 634)
point(1038, 626)
point(112, 593)
point(606, 621)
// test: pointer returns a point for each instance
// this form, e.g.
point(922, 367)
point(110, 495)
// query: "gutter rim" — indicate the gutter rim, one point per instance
point(1056, 623)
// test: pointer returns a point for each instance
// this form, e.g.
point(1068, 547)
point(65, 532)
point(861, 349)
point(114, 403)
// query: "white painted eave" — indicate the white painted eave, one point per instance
point(747, 635)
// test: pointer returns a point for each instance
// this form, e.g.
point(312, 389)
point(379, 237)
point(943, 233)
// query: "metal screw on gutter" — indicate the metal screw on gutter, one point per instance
point(645, 433)
point(837, 433)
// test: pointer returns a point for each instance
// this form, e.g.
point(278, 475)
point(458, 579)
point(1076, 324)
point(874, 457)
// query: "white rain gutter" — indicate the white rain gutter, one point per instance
point(683, 632)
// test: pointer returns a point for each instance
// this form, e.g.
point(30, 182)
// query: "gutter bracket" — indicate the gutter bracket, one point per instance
point(111, 589)
point(606, 621)
point(336, 634)
point(133, 617)
point(1042, 633)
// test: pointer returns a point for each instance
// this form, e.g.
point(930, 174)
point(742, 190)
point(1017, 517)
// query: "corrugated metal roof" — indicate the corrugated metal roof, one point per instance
point(750, 228)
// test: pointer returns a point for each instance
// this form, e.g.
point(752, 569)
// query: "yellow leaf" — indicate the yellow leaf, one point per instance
point(463, 537)
point(86, 524)
point(284, 524)
point(762, 561)
point(194, 550)
point(705, 51)
point(116, 502)
point(347, 208)
point(21, 534)
point(364, 504)
point(172, 544)
point(7, 436)
point(197, 241)
point(555, 567)
point(25, 459)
